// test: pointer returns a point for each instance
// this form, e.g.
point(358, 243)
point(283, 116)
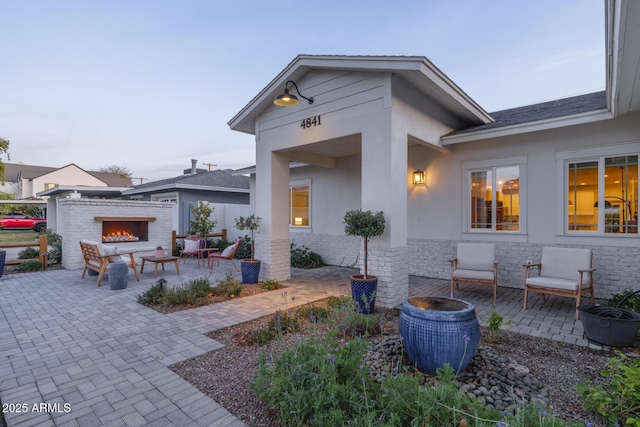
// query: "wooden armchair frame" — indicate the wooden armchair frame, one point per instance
point(217, 256)
point(565, 272)
point(97, 260)
point(468, 271)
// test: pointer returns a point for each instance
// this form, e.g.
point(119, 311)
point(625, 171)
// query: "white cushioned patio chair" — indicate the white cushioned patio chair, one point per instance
point(475, 263)
point(564, 272)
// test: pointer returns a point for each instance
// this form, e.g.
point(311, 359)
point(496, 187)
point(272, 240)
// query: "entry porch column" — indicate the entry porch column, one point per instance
point(272, 193)
point(384, 188)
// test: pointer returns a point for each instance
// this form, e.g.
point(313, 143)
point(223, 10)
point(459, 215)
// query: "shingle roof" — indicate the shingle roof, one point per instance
point(544, 111)
point(217, 178)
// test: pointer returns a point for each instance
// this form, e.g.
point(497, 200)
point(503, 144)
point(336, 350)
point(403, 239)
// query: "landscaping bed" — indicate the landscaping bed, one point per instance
point(227, 375)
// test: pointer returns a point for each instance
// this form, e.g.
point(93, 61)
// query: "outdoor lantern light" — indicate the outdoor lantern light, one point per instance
point(418, 178)
point(287, 100)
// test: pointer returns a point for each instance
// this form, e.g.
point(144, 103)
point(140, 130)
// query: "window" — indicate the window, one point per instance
point(49, 185)
point(495, 199)
point(493, 190)
point(602, 195)
point(299, 204)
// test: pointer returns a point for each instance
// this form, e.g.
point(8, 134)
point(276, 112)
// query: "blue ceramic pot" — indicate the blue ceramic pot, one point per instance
point(438, 330)
point(363, 292)
point(3, 258)
point(250, 271)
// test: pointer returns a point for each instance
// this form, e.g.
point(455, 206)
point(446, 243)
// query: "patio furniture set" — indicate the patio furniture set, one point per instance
point(565, 272)
point(102, 259)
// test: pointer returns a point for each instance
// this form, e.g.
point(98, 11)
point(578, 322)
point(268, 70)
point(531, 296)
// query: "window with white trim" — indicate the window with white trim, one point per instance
point(300, 204)
point(494, 200)
point(602, 195)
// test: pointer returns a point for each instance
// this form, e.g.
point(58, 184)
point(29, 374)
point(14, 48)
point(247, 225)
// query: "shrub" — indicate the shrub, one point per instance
point(271, 285)
point(54, 241)
point(349, 322)
point(30, 265)
point(633, 303)
point(229, 286)
point(153, 295)
point(617, 401)
point(304, 258)
point(319, 383)
point(29, 253)
point(244, 249)
point(221, 244)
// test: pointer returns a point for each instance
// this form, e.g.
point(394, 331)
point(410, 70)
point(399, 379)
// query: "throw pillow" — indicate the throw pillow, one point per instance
point(112, 251)
point(191, 246)
point(227, 251)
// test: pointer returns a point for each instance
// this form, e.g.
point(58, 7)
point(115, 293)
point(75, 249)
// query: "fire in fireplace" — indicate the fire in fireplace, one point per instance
point(124, 231)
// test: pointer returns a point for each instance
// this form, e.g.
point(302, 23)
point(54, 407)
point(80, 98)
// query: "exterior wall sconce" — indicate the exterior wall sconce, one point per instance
point(418, 178)
point(288, 100)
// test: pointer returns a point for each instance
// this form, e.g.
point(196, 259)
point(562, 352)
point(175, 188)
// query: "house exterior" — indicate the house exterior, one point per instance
point(26, 181)
point(523, 178)
point(218, 187)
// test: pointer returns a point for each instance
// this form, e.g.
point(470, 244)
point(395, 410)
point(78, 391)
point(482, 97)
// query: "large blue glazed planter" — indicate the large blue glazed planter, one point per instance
point(250, 271)
point(363, 292)
point(438, 330)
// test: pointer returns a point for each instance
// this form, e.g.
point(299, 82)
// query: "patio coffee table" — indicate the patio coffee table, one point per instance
point(162, 261)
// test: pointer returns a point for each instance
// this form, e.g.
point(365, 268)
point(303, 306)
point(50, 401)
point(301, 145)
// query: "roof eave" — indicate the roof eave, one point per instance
point(522, 128)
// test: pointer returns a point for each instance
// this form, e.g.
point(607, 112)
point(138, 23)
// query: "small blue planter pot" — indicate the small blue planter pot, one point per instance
point(363, 292)
point(438, 330)
point(3, 258)
point(250, 271)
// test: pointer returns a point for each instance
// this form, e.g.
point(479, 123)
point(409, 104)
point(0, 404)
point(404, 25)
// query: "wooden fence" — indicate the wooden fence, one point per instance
point(41, 244)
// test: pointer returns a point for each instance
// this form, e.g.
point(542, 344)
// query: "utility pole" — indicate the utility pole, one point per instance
point(139, 179)
point(209, 164)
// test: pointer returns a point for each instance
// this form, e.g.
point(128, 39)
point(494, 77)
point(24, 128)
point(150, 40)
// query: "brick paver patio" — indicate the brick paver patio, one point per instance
point(65, 341)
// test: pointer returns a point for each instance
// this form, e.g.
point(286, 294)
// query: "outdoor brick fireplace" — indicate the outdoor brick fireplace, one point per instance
point(124, 230)
point(148, 223)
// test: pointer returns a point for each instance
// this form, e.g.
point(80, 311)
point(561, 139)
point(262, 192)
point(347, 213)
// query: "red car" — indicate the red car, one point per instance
point(20, 221)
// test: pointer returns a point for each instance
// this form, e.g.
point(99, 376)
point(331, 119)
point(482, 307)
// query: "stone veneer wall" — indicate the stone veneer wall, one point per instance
point(273, 266)
point(616, 267)
point(76, 222)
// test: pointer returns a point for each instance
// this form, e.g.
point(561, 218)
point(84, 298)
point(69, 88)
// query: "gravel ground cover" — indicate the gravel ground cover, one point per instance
point(552, 369)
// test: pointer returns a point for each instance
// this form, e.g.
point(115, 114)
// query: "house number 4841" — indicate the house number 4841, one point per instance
point(310, 121)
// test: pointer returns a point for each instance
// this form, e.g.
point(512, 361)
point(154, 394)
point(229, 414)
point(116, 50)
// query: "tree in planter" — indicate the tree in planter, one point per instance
point(251, 223)
point(365, 224)
point(201, 224)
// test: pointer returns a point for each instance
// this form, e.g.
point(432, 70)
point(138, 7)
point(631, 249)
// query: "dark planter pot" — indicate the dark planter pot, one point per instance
point(3, 258)
point(363, 292)
point(612, 326)
point(436, 331)
point(250, 271)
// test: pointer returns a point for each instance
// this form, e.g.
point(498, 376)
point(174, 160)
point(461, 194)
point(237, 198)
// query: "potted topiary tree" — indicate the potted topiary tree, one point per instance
point(250, 268)
point(365, 224)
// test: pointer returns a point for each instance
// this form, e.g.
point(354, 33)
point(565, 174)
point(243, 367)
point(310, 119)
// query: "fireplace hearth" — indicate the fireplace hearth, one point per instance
point(125, 230)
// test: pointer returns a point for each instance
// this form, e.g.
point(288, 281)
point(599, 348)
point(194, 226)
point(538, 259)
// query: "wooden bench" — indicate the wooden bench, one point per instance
point(98, 257)
point(564, 272)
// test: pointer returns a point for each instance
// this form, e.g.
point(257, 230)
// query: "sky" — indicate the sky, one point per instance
point(151, 84)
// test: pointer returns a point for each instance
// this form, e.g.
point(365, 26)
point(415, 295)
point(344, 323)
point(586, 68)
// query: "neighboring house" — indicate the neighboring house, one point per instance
point(26, 181)
point(217, 187)
point(561, 173)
